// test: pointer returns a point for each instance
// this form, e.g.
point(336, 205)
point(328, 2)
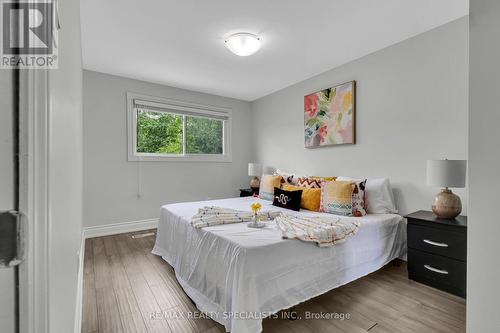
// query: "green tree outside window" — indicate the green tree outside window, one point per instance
point(162, 133)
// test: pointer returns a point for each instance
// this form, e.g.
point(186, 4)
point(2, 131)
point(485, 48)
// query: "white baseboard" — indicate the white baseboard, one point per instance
point(119, 228)
point(79, 287)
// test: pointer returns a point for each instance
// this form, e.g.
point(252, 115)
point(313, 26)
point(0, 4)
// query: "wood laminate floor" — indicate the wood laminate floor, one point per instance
point(125, 286)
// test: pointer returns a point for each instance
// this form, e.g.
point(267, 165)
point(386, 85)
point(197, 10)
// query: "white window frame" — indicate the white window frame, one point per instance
point(184, 108)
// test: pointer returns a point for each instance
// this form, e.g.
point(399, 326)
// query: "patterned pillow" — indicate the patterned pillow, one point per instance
point(336, 197)
point(313, 181)
point(308, 182)
point(267, 185)
point(311, 197)
point(358, 198)
point(286, 177)
point(287, 199)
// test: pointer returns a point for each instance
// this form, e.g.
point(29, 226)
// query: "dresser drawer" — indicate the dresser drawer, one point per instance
point(436, 271)
point(438, 241)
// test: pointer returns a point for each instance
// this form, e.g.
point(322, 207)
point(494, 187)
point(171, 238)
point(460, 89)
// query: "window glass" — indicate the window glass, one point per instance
point(159, 132)
point(204, 135)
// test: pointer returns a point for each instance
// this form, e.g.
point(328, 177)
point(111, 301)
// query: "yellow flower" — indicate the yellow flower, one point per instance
point(256, 207)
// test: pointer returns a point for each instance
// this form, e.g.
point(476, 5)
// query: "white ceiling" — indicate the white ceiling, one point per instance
point(180, 43)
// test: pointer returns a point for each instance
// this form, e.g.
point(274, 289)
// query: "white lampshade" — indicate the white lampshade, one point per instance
point(446, 173)
point(268, 170)
point(254, 169)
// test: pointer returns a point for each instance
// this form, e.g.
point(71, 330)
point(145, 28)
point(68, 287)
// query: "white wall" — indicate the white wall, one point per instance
point(411, 106)
point(111, 182)
point(483, 271)
point(65, 170)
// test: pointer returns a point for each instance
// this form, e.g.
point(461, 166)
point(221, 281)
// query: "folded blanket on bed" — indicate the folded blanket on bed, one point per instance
point(325, 231)
point(209, 216)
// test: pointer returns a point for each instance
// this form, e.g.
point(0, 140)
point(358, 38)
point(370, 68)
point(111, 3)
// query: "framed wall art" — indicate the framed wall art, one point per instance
point(329, 116)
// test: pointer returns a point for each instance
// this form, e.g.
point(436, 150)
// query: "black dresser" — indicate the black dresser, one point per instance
point(437, 251)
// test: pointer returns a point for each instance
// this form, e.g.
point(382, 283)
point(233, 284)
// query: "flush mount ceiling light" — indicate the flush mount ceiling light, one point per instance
point(243, 43)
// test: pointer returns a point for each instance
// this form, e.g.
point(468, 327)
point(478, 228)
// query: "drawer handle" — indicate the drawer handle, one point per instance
point(440, 271)
point(435, 243)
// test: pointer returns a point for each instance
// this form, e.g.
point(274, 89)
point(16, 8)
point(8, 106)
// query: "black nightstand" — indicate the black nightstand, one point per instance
point(247, 192)
point(437, 251)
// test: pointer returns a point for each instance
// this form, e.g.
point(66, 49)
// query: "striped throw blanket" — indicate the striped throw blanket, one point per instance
point(210, 216)
point(324, 231)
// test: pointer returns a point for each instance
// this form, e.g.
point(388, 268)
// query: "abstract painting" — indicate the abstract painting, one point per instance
point(329, 116)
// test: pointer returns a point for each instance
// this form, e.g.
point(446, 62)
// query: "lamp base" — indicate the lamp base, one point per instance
point(446, 205)
point(255, 184)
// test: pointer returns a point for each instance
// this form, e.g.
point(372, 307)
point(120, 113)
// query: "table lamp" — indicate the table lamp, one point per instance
point(255, 171)
point(444, 174)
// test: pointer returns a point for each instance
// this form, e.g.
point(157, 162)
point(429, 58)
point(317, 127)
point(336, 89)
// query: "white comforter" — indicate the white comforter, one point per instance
point(239, 275)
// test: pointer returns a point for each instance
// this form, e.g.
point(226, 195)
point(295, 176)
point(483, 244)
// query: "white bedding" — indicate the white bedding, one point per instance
point(238, 275)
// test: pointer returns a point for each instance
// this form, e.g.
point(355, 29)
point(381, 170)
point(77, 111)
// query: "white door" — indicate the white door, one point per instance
point(8, 275)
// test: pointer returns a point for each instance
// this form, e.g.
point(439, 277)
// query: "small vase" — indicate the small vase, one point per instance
point(255, 223)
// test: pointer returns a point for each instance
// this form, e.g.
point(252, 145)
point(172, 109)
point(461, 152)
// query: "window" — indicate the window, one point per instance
point(170, 130)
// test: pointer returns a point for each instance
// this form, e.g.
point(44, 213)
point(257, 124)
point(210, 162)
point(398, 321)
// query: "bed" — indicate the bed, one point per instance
point(238, 275)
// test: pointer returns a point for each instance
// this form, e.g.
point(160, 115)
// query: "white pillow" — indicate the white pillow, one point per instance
point(378, 195)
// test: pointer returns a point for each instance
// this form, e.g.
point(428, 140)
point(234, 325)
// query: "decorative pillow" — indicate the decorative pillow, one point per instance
point(308, 182)
point(336, 197)
point(324, 179)
point(358, 198)
point(287, 199)
point(267, 185)
point(311, 197)
point(286, 177)
point(379, 198)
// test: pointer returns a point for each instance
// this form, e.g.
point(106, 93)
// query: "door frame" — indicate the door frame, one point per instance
point(34, 138)
point(34, 106)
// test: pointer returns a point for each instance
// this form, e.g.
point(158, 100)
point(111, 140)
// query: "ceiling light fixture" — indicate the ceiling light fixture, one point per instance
point(243, 43)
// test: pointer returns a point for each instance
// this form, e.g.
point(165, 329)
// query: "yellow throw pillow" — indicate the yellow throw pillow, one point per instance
point(325, 179)
point(311, 197)
point(267, 185)
point(336, 197)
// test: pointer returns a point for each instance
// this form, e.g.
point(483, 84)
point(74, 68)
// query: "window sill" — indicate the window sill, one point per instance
point(179, 158)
